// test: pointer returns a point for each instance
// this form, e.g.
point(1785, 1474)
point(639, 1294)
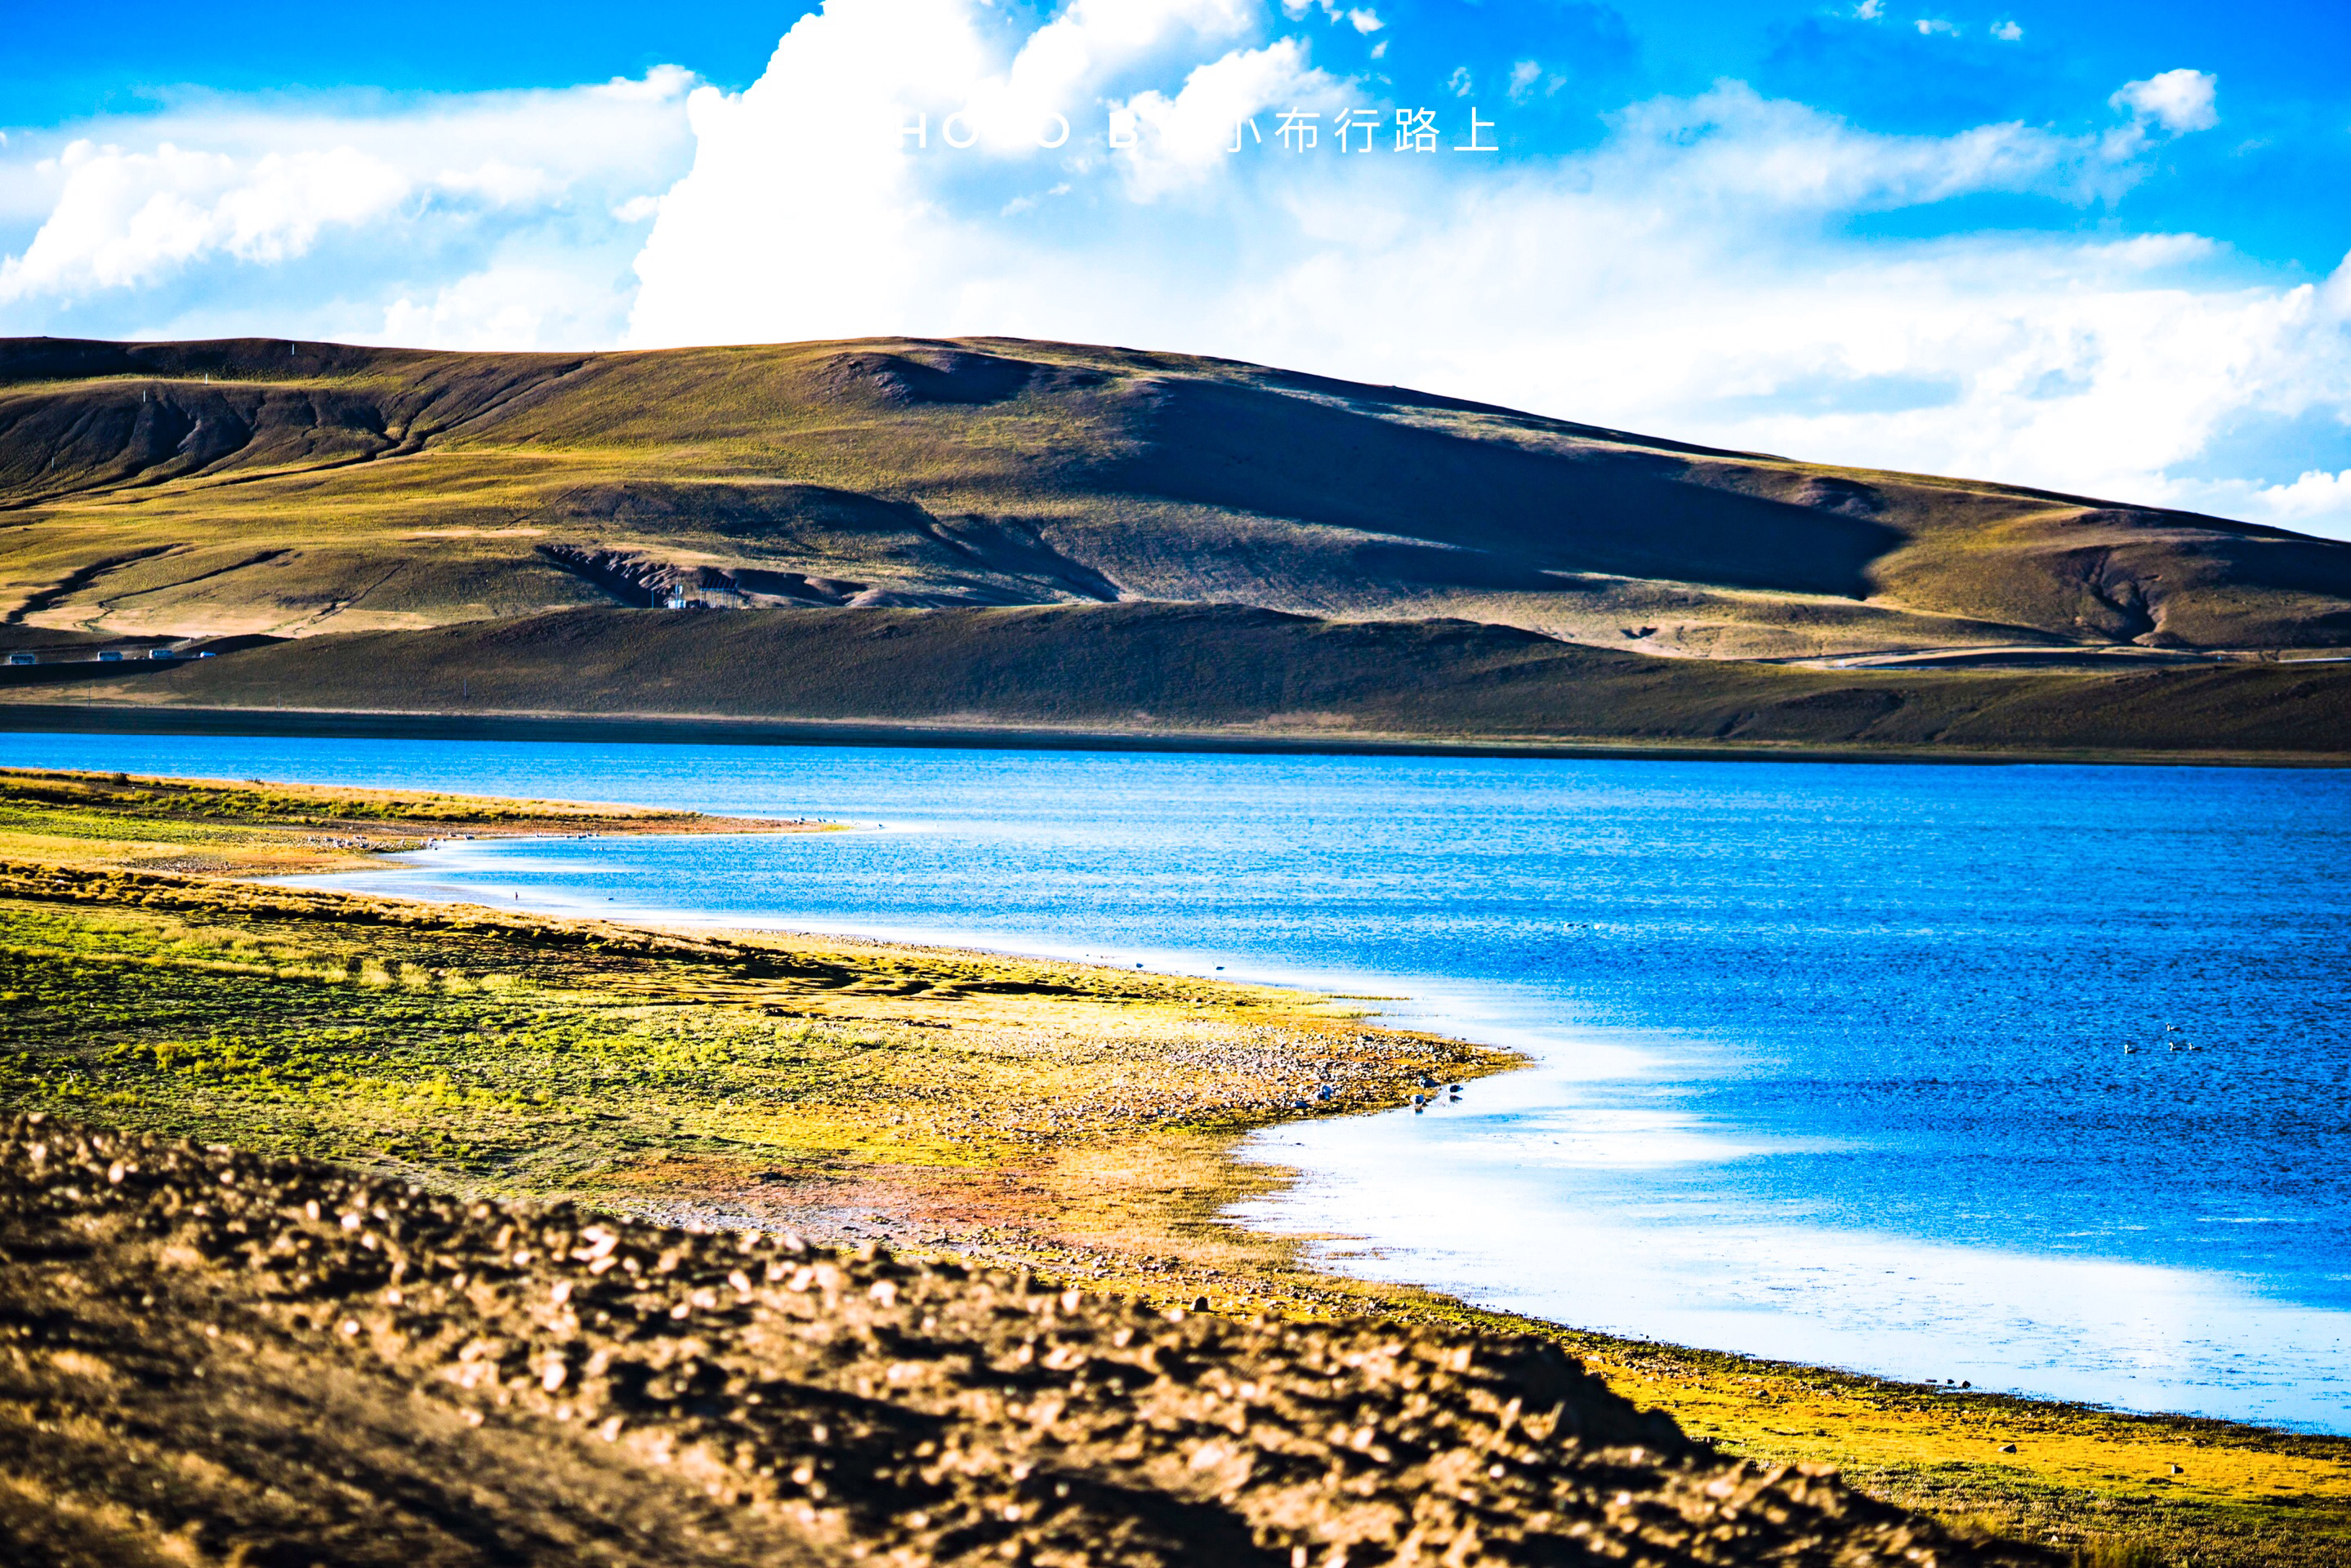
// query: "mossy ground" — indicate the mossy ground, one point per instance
point(1079, 1120)
point(112, 821)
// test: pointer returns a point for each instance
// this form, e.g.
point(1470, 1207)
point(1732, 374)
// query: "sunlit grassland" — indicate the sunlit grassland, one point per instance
point(538, 1056)
point(93, 820)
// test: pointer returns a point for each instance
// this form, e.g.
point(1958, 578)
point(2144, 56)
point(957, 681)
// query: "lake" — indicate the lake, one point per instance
point(2037, 1076)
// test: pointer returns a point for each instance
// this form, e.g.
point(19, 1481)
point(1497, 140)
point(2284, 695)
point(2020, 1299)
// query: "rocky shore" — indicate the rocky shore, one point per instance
point(215, 1357)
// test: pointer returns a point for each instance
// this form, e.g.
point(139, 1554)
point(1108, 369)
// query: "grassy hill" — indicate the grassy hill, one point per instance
point(295, 489)
point(1235, 674)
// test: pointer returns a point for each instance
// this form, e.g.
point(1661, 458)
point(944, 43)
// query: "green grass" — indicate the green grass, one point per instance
point(540, 1054)
point(96, 799)
point(180, 825)
point(363, 1045)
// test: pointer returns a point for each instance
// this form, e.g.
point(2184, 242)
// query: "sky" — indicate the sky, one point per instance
point(2097, 247)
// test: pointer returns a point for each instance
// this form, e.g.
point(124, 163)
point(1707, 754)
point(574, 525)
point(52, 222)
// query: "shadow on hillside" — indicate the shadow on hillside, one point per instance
point(1628, 513)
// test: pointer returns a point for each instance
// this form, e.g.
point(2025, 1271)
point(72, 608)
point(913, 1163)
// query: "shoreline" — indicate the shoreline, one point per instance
point(1432, 1019)
point(367, 875)
point(755, 1399)
point(1075, 1187)
point(660, 729)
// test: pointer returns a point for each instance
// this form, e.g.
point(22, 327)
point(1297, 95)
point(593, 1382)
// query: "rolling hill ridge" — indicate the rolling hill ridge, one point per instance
point(207, 489)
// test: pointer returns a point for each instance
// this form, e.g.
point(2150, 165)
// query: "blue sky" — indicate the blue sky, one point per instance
point(2279, 186)
point(2091, 245)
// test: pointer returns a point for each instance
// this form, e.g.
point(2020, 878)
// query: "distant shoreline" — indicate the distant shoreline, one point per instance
point(657, 729)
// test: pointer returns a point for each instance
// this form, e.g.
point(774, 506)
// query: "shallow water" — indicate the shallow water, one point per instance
point(1832, 1057)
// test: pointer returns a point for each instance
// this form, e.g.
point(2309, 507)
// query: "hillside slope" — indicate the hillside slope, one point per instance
point(1233, 673)
point(249, 486)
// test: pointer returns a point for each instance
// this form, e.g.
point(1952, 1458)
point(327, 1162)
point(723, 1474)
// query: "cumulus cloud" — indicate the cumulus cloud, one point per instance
point(2316, 497)
point(852, 182)
point(127, 218)
point(1167, 144)
point(2178, 102)
point(521, 301)
point(2317, 502)
point(232, 193)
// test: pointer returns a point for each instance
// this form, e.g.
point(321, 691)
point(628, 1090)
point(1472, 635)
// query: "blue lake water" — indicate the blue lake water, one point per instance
point(1831, 1058)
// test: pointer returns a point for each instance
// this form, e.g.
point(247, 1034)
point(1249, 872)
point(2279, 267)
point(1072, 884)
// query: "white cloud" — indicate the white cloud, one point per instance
point(1929, 27)
point(1870, 10)
point(1736, 148)
point(1073, 53)
point(2316, 496)
point(2317, 502)
point(804, 210)
point(1649, 296)
point(132, 203)
point(501, 184)
point(2007, 32)
point(520, 304)
point(1182, 141)
point(1363, 18)
point(2178, 102)
point(124, 219)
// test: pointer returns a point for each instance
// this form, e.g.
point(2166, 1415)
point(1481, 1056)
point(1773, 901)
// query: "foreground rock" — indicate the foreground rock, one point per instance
point(218, 1359)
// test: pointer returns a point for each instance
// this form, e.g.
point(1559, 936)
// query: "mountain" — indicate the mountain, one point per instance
point(293, 489)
